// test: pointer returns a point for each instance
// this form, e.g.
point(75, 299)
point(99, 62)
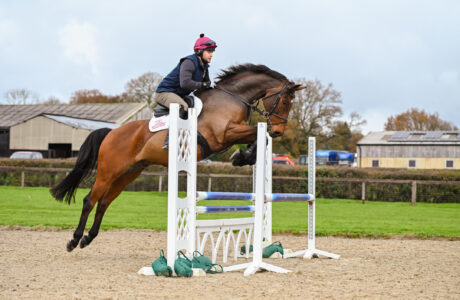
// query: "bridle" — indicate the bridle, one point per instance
point(263, 113)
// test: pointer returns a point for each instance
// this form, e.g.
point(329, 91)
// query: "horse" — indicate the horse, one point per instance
point(119, 155)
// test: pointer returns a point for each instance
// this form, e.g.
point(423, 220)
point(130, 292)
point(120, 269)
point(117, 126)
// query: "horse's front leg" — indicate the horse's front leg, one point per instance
point(243, 134)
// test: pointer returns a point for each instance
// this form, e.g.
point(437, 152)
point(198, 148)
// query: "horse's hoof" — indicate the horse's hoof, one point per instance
point(238, 160)
point(84, 242)
point(71, 246)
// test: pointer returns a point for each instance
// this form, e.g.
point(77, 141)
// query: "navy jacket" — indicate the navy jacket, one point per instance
point(171, 82)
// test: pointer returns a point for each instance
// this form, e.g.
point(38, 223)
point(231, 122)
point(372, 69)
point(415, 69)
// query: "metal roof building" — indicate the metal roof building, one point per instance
point(410, 149)
point(59, 130)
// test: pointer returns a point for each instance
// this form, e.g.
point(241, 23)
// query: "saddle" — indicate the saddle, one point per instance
point(161, 110)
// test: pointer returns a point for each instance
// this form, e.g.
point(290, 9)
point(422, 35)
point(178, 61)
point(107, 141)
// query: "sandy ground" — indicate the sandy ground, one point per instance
point(35, 265)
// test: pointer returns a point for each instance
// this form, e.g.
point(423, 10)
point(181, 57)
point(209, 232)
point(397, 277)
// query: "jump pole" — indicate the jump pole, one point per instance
point(183, 228)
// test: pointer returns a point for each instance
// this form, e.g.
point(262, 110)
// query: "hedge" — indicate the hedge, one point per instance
point(434, 193)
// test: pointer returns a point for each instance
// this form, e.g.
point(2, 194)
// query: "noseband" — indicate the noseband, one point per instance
point(263, 113)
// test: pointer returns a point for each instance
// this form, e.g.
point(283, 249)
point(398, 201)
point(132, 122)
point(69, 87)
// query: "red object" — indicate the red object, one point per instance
point(283, 160)
point(204, 43)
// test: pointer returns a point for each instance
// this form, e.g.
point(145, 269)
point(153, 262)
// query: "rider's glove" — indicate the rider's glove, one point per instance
point(208, 84)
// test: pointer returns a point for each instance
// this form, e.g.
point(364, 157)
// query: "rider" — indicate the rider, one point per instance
point(190, 74)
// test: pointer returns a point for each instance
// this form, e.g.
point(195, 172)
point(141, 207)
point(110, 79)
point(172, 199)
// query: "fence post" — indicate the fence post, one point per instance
point(160, 183)
point(363, 192)
point(209, 183)
point(414, 192)
point(22, 180)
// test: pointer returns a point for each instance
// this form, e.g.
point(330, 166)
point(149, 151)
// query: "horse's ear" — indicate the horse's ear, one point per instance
point(298, 87)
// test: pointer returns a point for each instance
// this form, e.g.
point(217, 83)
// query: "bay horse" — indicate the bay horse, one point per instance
point(122, 153)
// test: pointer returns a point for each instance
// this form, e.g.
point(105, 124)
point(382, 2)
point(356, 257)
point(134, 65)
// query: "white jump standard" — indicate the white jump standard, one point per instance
point(311, 251)
point(184, 231)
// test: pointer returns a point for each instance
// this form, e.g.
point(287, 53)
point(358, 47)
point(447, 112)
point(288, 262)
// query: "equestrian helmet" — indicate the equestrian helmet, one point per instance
point(204, 43)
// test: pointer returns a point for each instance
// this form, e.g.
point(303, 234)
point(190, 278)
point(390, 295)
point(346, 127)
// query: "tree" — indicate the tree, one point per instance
point(417, 120)
point(313, 114)
point(20, 97)
point(52, 100)
point(92, 96)
point(142, 89)
point(342, 137)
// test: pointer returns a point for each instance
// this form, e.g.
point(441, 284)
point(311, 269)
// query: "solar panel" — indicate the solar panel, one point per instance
point(399, 136)
point(433, 135)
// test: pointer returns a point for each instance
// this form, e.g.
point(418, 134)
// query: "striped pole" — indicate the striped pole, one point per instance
point(224, 196)
point(269, 197)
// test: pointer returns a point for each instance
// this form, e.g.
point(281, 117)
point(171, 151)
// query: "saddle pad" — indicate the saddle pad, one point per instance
point(161, 123)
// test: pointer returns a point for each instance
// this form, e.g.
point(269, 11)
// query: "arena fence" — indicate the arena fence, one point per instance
point(412, 191)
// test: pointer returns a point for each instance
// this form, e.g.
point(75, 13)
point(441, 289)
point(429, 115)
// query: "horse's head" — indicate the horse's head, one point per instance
point(278, 102)
point(249, 83)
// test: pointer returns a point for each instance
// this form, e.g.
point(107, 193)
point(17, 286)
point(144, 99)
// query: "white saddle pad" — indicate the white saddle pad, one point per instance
point(162, 123)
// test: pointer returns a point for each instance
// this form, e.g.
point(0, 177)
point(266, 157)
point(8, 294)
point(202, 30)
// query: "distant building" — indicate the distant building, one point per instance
point(410, 149)
point(60, 130)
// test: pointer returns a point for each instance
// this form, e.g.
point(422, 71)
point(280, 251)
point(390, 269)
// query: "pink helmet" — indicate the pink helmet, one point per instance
point(204, 43)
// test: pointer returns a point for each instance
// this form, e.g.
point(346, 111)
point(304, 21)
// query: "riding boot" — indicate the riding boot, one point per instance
point(166, 142)
point(183, 114)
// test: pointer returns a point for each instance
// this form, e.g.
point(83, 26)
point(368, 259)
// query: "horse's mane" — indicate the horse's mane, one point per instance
point(238, 69)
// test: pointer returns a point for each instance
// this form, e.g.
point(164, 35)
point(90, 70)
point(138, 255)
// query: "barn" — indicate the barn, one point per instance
point(410, 149)
point(58, 131)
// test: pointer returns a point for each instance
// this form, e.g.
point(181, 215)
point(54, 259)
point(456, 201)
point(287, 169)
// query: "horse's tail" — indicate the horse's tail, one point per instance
point(86, 161)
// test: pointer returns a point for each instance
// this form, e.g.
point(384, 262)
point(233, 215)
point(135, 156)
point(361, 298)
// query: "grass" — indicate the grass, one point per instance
point(36, 207)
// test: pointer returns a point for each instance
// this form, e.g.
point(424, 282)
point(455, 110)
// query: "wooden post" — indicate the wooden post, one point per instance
point(414, 192)
point(209, 183)
point(363, 192)
point(22, 180)
point(160, 183)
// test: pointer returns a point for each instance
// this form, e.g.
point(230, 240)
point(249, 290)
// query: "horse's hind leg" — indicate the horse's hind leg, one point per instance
point(88, 204)
point(114, 190)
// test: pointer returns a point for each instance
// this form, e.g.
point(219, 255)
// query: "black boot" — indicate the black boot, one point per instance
point(183, 114)
point(246, 157)
point(166, 142)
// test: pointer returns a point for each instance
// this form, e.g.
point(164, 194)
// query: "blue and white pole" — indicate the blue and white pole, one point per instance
point(224, 196)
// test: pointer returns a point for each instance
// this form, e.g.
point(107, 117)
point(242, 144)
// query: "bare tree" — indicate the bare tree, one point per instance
point(313, 114)
point(142, 89)
point(356, 121)
point(414, 119)
point(20, 97)
point(52, 100)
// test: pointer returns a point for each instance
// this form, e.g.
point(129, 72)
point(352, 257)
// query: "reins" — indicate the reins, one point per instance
point(254, 107)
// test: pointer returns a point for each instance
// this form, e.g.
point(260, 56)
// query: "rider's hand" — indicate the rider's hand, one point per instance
point(208, 84)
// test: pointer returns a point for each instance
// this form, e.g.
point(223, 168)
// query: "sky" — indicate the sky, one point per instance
point(384, 57)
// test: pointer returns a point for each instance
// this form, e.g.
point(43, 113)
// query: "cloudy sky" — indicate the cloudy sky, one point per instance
point(383, 56)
